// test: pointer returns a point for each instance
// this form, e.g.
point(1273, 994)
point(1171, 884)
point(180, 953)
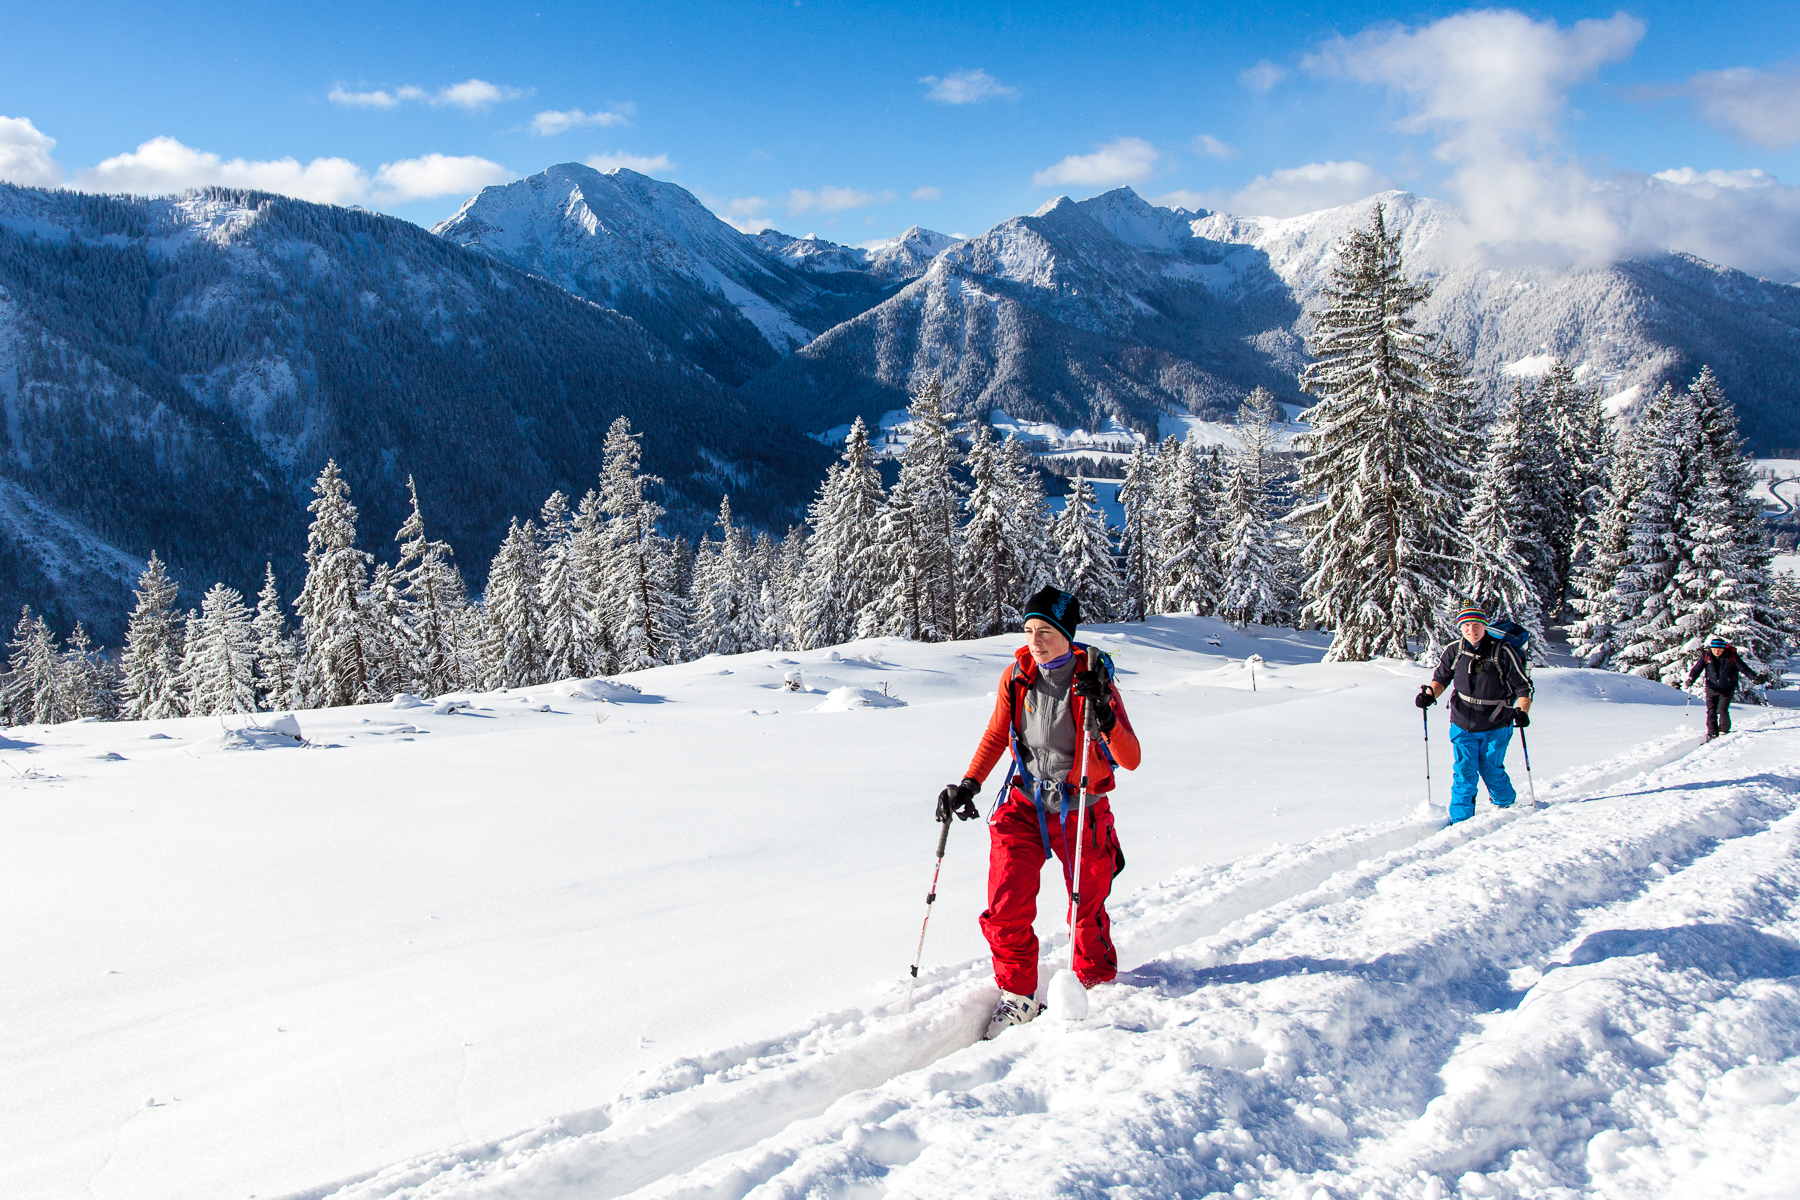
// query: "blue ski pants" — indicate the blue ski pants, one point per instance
point(1480, 755)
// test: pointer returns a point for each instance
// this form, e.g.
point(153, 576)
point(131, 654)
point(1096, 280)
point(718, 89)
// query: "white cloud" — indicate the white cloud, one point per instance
point(965, 87)
point(928, 193)
point(643, 165)
point(435, 175)
point(1126, 160)
point(1687, 177)
point(471, 94)
point(1492, 87)
point(832, 200)
point(163, 165)
point(748, 214)
point(25, 154)
point(1745, 219)
point(548, 124)
point(1761, 107)
point(1212, 147)
point(1262, 77)
point(475, 94)
point(379, 98)
point(1288, 191)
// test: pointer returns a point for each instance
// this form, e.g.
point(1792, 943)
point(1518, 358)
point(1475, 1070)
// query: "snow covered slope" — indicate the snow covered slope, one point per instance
point(649, 249)
point(663, 954)
point(899, 259)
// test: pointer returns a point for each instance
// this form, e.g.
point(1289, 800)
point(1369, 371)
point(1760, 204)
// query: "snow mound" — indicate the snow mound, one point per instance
point(601, 689)
point(273, 733)
point(846, 698)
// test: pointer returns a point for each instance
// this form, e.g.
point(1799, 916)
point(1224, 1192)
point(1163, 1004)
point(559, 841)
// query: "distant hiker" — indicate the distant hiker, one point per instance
point(1719, 663)
point(1045, 695)
point(1490, 693)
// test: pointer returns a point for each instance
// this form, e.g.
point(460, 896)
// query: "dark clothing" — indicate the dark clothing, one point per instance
point(1718, 713)
point(1721, 672)
point(1484, 681)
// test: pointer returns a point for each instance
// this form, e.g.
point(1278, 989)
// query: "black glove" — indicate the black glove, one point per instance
point(1096, 700)
point(1521, 718)
point(1425, 699)
point(958, 800)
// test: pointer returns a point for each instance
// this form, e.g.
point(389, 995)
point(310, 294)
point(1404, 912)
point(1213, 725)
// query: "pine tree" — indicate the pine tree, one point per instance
point(783, 616)
point(1255, 582)
point(333, 669)
point(1665, 578)
point(434, 608)
point(85, 679)
point(219, 667)
point(152, 657)
point(1588, 440)
point(1085, 562)
point(649, 623)
point(1029, 530)
point(513, 654)
point(1571, 476)
point(1184, 529)
point(33, 692)
point(990, 567)
point(589, 560)
point(1502, 528)
point(277, 658)
point(1137, 496)
point(1385, 470)
point(1736, 598)
point(1604, 554)
point(387, 642)
point(724, 615)
point(917, 537)
point(567, 609)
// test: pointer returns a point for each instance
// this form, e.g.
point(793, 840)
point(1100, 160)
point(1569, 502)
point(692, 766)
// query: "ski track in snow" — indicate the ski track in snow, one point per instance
point(1561, 1002)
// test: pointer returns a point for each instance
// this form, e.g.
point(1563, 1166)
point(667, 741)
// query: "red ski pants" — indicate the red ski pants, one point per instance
point(1015, 864)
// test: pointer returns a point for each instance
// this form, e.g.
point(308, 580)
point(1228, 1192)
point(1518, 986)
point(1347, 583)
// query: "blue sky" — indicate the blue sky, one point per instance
point(856, 120)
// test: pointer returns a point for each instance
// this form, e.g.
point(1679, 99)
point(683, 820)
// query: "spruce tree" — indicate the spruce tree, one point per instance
point(1084, 554)
point(1183, 529)
point(1137, 496)
point(152, 657)
point(333, 669)
point(513, 654)
point(589, 560)
point(387, 642)
point(277, 658)
point(219, 668)
point(86, 680)
point(918, 530)
point(649, 620)
point(1502, 528)
point(842, 569)
point(1604, 553)
point(990, 566)
point(434, 607)
point(1255, 583)
point(33, 692)
point(1385, 472)
point(1029, 528)
point(1664, 581)
point(724, 612)
point(1571, 476)
point(567, 609)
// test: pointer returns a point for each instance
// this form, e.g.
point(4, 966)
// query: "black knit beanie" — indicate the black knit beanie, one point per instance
point(1062, 609)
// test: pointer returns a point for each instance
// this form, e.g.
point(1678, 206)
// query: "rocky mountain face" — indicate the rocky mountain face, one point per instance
point(175, 372)
point(1113, 307)
point(715, 297)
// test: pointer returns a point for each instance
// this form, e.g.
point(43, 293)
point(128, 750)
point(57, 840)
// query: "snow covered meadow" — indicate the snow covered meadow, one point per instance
point(581, 941)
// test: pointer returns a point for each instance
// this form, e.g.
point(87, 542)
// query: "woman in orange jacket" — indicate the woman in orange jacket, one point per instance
point(1045, 696)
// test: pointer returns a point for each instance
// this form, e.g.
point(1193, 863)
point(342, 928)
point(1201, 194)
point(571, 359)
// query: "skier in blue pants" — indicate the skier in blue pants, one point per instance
point(1490, 692)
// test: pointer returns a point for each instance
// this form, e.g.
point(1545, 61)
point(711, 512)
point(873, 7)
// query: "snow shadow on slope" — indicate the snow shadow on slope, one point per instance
point(1484, 988)
point(1732, 951)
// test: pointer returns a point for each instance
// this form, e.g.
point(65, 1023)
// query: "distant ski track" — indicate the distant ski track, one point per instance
point(1376, 1012)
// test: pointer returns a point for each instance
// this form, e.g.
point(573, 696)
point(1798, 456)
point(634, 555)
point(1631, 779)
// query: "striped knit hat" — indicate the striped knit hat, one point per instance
point(1471, 614)
point(1718, 643)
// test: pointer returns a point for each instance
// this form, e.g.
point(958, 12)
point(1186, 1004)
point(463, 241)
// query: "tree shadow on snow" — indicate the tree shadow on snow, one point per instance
point(1483, 987)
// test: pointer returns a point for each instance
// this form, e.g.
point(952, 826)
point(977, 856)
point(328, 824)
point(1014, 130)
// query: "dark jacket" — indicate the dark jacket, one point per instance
point(1484, 681)
point(1721, 672)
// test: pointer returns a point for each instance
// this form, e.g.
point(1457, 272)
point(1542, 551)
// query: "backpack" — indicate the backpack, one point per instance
point(1513, 634)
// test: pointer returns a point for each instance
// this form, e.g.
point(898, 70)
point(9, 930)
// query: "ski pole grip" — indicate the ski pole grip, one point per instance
point(944, 837)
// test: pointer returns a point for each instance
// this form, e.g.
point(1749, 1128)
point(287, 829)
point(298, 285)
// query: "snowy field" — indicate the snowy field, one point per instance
point(583, 942)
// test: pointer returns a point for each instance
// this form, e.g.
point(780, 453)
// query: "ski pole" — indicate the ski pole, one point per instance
point(1080, 820)
point(1525, 745)
point(1425, 720)
point(930, 899)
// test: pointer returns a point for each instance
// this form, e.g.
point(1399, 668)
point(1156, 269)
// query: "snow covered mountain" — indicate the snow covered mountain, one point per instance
point(1113, 307)
point(175, 372)
point(716, 297)
point(900, 259)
